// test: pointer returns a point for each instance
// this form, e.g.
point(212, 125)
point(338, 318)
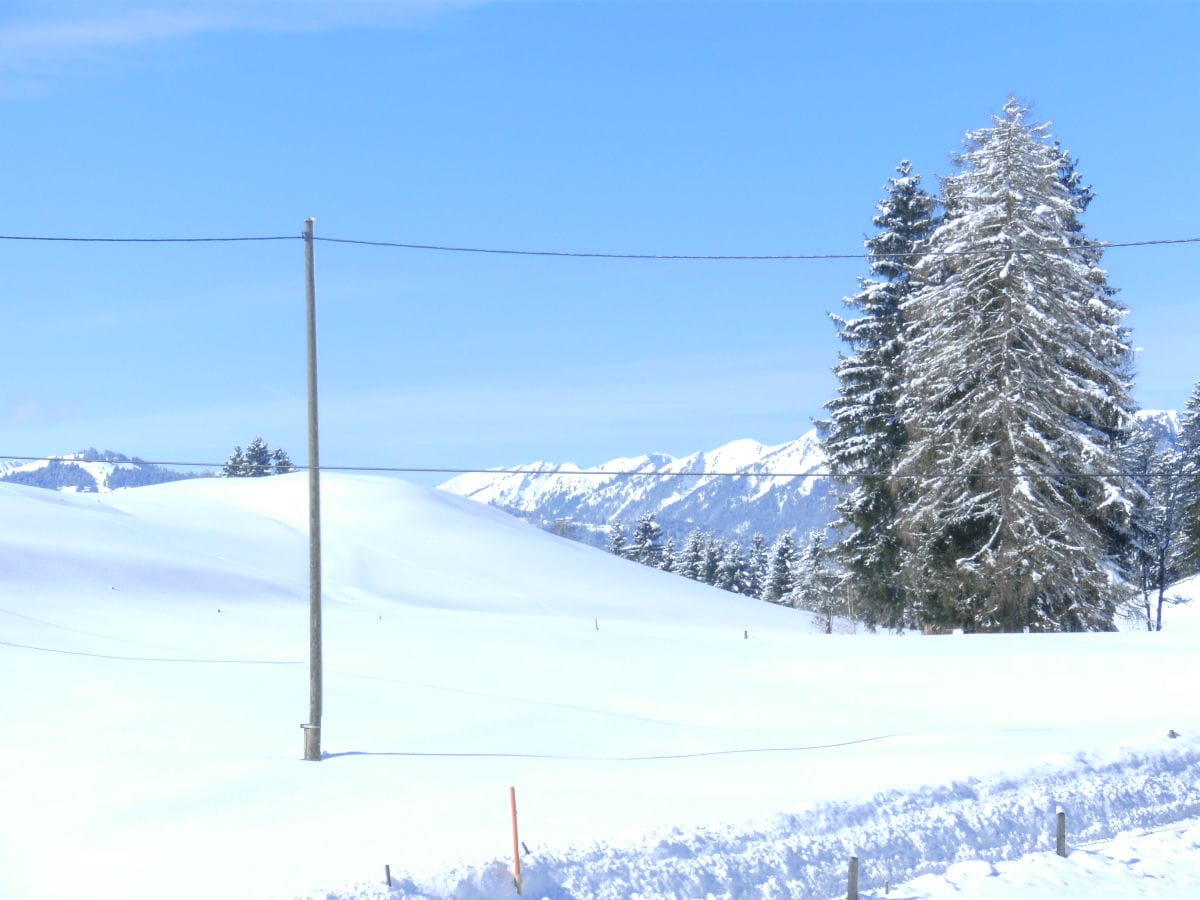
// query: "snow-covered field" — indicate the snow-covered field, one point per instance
point(664, 738)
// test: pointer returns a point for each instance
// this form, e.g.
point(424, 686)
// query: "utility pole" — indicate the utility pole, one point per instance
point(312, 730)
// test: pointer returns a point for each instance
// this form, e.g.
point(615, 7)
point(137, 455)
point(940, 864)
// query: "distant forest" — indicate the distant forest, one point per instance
point(67, 474)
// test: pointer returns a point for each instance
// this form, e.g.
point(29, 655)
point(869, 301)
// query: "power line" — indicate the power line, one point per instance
point(592, 254)
point(633, 473)
point(588, 254)
point(147, 240)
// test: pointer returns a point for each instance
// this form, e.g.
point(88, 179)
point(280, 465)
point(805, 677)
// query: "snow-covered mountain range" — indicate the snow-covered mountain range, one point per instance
point(772, 489)
point(736, 490)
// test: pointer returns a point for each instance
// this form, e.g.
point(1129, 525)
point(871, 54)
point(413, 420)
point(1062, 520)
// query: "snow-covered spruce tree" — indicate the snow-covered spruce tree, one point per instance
point(646, 546)
point(690, 563)
point(863, 436)
point(235, 466)
point(257, 459)
point(712, 560)
point(1015, 398)
point(1121, 533)
point(756, 567)
point(818, 584)
point(667, 562)
point(732, 574)
point(1189, 447)
point(281, 463)
point(780, 575)
point(1157, 551)
point(617, 542)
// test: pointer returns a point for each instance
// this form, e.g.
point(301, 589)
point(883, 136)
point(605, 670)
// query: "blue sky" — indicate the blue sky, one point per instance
point(679, 127)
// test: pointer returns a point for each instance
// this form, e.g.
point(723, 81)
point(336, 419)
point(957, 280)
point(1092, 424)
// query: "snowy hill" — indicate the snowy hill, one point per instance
point(88, 471)
point(665, 739)
point(775, 488)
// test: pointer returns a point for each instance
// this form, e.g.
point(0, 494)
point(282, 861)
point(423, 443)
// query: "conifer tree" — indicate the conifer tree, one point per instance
point(281, 463)
point(863, 436)
point(1189, 448)
point(781, 577)
point(235, 466)
point(731, 568)
point(756, 567)
point(617, 542)
point(258, 459)
point(1016, 397)
point(691, 559)
point(712, 560)
point(668, 562)
point(1158, 552)
point(817, 583)
point(646, 546)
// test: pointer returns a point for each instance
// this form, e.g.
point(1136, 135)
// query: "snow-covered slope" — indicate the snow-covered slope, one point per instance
point(775, 488)
point(664, 738)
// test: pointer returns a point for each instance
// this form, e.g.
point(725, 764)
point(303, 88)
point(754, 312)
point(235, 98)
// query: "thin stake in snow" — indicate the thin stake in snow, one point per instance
point(852, 881)
point(1061, 842)
point(512, 800)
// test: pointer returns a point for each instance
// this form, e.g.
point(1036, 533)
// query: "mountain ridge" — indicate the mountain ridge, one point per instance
point(735, 490)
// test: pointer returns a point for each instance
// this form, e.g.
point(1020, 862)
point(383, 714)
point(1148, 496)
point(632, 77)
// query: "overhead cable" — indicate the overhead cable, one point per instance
point(147, 240)
point(444, 248)
point(632, 473)
point(594, 254)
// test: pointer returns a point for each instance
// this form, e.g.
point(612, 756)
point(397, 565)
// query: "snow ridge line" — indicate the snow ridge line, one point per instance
point(897, 836)
point(166, 659)
point(699, 754)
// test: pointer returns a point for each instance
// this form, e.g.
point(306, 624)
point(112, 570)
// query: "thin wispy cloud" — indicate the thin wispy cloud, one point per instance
point(25, 410)
point(44, 41)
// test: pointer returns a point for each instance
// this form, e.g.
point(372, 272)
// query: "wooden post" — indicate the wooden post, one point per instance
point(312, 731)
point(852, 881)
point(1062, 832)
point(512, 800)
point(387, 872)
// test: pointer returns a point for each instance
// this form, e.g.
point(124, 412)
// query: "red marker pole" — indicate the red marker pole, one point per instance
point(512, 800)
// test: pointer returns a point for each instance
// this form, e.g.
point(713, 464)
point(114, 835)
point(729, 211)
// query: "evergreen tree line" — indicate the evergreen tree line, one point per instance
point(67, 474)
point(991, 473)
point(801, 574)
point(56, 475)
point(1165, 541)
